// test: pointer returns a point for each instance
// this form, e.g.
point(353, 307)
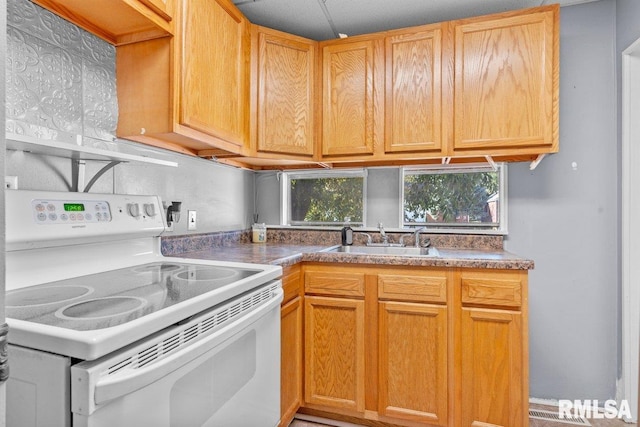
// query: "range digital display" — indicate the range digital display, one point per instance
point(74, 207)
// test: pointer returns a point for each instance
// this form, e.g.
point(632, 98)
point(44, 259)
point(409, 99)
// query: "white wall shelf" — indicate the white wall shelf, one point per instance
point(79, 154)
point(76, 152)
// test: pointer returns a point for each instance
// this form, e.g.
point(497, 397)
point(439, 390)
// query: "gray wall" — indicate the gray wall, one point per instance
point(61, 82)
point(566, 220)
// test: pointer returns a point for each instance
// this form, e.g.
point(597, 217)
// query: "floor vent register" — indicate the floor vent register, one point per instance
point(553, 416)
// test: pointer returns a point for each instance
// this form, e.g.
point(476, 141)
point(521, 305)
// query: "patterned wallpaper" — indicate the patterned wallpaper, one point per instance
point(61, 80)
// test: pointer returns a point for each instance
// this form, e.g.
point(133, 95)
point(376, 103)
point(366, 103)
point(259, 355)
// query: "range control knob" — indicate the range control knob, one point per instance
point(133, 209)
point(150, 209)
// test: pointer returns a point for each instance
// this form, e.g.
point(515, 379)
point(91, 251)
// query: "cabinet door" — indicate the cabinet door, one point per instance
point(413, 362)
point(213, 70)
point(291, 360)
point(413, 100)
point(334, 352)
point(493, 375)
point(506, 84)
point(349, 101)
point(285, 94)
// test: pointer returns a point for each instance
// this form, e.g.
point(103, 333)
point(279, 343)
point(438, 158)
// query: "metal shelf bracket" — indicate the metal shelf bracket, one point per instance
point(534, 164)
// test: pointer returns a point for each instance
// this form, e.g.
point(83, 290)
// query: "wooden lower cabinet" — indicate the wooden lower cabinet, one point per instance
point(416, 346)
point(291, 345)
point(492, 371)
point(334, 352)
point(412, 358)
point(291, 360)
point(492, 323)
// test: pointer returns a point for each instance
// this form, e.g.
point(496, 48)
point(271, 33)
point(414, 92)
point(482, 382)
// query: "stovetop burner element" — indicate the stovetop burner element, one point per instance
point(45, 295)
point(102, 308)
point(207, 274)
point(157, 268)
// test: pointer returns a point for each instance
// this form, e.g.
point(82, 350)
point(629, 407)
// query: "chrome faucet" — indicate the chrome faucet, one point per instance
point(383, 234)
point(416, 235)
point(368, 236)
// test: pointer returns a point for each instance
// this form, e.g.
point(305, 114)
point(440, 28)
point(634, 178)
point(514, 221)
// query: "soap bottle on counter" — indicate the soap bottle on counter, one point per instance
point(347, 233)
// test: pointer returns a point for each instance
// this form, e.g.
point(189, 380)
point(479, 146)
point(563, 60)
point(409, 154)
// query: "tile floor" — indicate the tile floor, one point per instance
point(532, 423)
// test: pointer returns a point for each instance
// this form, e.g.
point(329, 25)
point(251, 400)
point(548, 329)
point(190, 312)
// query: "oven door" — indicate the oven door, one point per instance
point(230, 377)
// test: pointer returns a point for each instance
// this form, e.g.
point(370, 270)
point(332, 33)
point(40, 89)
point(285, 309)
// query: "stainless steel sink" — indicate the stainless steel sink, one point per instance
point(386, 250)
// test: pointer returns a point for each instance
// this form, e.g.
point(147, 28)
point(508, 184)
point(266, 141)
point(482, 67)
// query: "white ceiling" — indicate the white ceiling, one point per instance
point(323, 19)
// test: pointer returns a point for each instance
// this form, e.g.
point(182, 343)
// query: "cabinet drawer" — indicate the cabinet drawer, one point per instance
point(334, 283)
point(291, 284)
point(427, 288)
point(503, 290)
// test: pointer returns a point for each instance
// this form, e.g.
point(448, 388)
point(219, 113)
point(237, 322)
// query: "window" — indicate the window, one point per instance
point(453, 199)
point(324, 198)
point(456, 198)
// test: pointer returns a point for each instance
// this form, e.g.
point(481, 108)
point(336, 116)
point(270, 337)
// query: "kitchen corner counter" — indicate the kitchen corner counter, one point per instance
point(287, 254)
point(259, 253)
point(454, 258)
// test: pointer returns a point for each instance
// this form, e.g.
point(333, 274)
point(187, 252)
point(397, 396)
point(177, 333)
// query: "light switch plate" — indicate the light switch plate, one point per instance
point(191, 225)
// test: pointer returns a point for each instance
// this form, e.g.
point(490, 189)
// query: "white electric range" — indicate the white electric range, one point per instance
point(105, 330)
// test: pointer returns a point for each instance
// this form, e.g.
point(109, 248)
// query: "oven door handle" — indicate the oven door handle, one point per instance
point(108, 388)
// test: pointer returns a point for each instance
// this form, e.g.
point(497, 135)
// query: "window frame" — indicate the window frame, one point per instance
point(463, 228)
point(285, 192)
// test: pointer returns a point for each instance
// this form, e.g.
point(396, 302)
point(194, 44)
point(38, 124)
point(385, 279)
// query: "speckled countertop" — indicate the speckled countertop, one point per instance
point(288, 254)
point(259, 253)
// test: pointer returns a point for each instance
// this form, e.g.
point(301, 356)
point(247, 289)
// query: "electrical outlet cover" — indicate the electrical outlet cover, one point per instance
point(11, 182)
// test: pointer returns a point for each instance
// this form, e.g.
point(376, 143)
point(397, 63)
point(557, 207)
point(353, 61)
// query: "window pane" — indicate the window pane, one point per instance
point(326, 201)
point(454, 199)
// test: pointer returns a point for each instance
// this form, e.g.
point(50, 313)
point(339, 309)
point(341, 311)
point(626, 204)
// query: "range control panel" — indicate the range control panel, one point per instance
point(70, 211)
point(39, 219)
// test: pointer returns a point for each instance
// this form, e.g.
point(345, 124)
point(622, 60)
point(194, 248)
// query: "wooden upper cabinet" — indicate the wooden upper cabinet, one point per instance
point(226, 89)
point(351, 104)
point(116, 21)
point(506, 83)
point(413, 99)
point(214, 95)
point(285, 93)
point(189, 93)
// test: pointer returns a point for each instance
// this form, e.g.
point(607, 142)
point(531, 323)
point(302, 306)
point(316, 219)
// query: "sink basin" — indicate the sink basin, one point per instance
point(386, 250)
